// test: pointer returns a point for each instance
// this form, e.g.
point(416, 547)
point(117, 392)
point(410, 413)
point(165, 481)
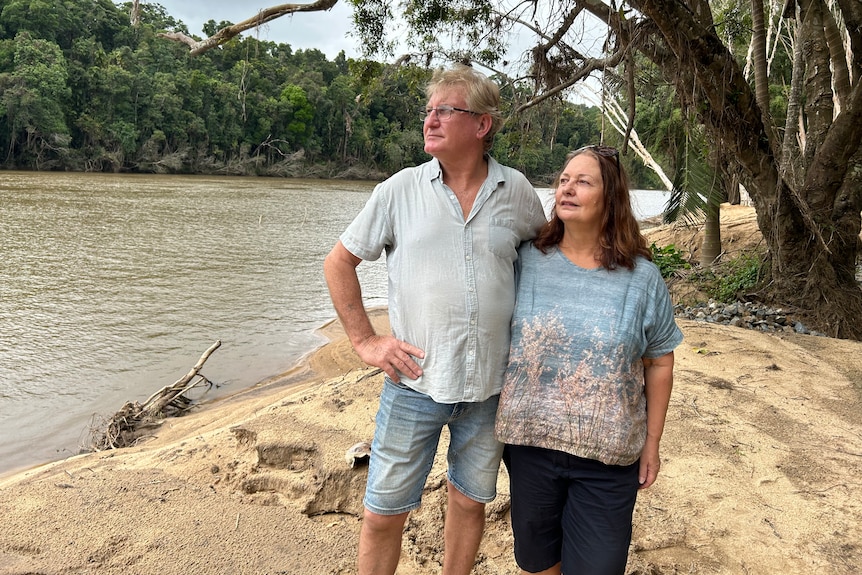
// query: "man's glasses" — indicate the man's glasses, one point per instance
point(444, 112)
point(606, 151)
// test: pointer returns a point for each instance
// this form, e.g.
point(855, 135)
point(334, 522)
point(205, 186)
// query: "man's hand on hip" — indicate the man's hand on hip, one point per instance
point(391, 355)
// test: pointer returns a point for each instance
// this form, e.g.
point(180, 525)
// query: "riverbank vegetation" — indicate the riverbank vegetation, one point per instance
point(84, 90)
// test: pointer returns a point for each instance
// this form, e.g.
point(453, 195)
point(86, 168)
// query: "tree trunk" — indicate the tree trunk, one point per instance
point(135, 14)
point(710, 247)
point(761, 77)
point(819, 281)
point(264, 15)
point(811, 233)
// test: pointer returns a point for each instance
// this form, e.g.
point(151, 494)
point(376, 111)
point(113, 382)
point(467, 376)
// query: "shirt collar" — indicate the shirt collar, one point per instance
point(495, 171)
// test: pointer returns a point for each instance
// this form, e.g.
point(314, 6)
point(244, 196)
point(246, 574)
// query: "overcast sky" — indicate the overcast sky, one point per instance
point(325, 31)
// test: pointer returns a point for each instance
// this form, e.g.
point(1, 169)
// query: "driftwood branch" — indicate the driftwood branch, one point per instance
point(157, 402)
point(125, 427)
point(265, 15)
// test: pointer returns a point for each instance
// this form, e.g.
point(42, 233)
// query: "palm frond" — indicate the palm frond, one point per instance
point(696, 185)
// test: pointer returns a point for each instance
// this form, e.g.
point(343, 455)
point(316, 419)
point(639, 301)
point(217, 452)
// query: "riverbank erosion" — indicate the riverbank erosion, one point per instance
point(762, 456)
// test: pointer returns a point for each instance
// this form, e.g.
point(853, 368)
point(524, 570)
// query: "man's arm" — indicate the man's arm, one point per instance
point(389, 354)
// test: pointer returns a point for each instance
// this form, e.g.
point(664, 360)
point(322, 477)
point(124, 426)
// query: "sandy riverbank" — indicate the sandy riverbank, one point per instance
point(762, 460)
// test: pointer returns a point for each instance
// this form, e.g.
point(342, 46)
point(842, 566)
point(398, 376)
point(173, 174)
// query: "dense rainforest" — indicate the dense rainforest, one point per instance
point(81, 89)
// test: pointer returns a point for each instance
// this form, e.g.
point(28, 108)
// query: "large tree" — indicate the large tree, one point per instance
point(803, 171)
point(31, 97)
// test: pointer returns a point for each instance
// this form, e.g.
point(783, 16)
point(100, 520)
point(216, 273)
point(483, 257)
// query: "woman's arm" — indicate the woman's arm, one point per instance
point(658, 383)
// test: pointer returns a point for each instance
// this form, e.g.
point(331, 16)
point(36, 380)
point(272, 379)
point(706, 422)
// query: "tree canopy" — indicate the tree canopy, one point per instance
point(775, 86)
point(84, 86)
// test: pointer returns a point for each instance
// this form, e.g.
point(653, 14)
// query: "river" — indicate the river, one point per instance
point(112, 286)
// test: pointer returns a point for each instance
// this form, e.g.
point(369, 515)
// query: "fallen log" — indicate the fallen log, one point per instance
point(127, 425)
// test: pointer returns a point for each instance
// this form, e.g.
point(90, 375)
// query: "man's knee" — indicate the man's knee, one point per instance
point(383, 524)
point(464, 504)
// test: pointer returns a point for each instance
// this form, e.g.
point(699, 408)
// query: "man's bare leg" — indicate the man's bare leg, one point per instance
point(380, 543)
point(465, 522)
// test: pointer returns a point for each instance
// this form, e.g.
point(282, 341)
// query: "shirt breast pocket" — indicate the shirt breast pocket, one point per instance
point(503, 238)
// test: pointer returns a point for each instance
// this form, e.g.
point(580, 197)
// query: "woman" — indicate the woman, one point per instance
point(589, 377)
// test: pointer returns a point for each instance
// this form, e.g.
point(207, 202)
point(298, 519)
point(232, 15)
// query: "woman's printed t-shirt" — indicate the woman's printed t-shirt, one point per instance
point(575, 379)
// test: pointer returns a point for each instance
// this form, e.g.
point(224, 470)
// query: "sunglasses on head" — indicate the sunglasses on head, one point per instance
point(606, 151)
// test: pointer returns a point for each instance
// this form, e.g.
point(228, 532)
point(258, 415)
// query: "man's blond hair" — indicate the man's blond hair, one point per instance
point(481, 94)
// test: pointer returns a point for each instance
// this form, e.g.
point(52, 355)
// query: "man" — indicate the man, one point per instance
point(450, 228)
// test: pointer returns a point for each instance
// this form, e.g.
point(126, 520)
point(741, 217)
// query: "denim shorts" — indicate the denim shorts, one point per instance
point(408, 427)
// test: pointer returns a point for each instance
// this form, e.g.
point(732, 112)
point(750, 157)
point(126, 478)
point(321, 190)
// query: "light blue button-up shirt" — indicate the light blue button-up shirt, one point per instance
point(451, 280)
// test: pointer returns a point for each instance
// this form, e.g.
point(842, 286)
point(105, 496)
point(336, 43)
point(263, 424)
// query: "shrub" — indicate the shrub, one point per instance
point(725, 282)
point(668, 259)
point(734, 277)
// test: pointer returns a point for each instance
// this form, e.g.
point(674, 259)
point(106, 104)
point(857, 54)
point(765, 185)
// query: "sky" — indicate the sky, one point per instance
point(325, 31)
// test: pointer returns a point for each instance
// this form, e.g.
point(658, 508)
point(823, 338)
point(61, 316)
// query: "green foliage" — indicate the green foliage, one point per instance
point(668, 259)
point(697, 189)
point(738, 275)
point(32, 101)
point(733, 22)
point(370, 17)
point(125, 99)
point(727, 281)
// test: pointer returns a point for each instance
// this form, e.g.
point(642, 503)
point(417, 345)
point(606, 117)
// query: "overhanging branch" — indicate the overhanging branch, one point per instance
point(265, 15)
point(589, 66)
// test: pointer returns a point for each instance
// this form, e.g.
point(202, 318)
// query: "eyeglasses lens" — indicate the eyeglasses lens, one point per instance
point(443, 113)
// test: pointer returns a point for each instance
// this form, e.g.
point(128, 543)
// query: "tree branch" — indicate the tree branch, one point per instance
point(588, 67)
point(159, 400)
point(265, 15)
